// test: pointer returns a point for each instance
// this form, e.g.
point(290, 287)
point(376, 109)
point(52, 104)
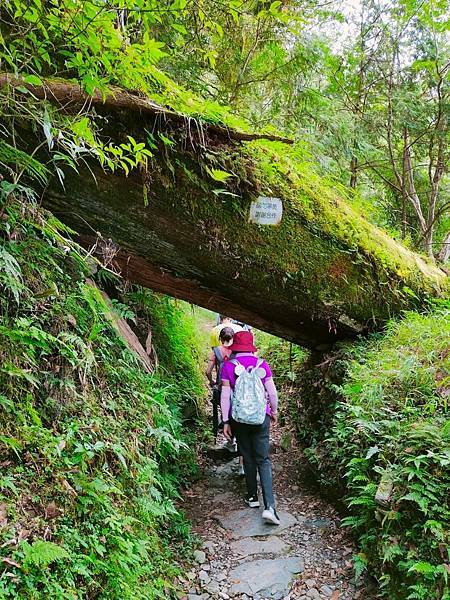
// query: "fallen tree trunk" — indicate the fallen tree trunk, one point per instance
point(321, 275)
point(71, 98)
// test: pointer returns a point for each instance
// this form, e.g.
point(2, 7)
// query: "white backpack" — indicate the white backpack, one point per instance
point(248, 403)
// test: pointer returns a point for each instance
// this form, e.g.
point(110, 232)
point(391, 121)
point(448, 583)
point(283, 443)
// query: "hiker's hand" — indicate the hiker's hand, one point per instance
point(274, 419)
point(227, 431)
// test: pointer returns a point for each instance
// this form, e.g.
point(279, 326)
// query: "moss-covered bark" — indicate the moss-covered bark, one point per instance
point(323, 274)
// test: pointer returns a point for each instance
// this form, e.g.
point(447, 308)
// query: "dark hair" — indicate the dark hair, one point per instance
point(226, 334)
point(224, 318)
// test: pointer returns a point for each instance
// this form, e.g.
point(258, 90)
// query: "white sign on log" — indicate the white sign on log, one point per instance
point(266, 211)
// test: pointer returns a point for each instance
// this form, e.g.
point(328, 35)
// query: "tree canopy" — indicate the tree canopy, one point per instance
point(365, 89)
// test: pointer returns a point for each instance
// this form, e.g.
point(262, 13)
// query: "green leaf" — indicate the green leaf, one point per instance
point(42, 553)
point(360, 563)
point(409, 292)
point(372, 451)
point(13, 371)
point(222, 192)
point(218, 175)
point(32, 79)
point(10, 274)
point(423, 567)
point(167, 141)
point(275, 6)
point(10, 442)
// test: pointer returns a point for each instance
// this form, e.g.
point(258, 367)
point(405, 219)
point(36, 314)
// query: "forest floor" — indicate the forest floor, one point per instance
point(308, 556)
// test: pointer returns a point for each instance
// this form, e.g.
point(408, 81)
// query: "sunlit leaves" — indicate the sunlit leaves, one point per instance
point(42, 553)
point(218, 174)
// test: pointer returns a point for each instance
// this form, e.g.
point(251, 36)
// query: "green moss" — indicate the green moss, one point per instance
point(324, 257)
point(174, 337)
point(327, 204)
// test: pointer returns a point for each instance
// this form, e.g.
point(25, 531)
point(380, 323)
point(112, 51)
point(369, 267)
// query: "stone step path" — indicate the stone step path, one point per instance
point(306, 557)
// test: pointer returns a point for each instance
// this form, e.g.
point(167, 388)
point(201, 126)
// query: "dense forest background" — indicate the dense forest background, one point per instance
point(362, 84)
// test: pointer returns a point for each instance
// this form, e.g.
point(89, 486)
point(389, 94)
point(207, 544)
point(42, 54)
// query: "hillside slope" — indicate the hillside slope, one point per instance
point(373, 418)
point(92, 447)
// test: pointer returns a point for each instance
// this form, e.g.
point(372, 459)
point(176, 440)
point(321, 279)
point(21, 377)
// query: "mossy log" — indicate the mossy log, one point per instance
point(323, 274)
point(71, 98)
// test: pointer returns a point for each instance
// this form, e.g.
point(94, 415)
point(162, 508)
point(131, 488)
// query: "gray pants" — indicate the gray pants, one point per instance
point(253, 442)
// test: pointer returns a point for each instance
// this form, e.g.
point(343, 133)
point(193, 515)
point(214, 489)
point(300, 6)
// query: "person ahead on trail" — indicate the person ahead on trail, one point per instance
point(218, 355)
point(243, 326)
point(245, 381)
point(215, 331)
point(216, 359)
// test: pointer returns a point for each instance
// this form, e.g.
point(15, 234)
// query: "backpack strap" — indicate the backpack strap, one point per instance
point(259, 368)
point(218, 355)
point(220, 362)
point(259, 362)
point(236, 364)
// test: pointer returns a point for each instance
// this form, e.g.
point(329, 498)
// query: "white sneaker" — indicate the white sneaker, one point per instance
point(230, 446)
point(252, 501)
point(269, 515)
point(241, 470)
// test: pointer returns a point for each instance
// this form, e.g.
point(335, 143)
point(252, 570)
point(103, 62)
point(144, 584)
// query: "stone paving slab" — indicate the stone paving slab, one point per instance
point(220, 476)
point(226, 470)
point(318, 523)
point(248, 523)
point(220, 452)
point(269, 578)
point(250, 546)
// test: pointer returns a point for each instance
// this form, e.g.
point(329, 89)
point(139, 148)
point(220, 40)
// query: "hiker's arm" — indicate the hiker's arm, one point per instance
point(225, 407)
point(271, 390)
point(210, 367)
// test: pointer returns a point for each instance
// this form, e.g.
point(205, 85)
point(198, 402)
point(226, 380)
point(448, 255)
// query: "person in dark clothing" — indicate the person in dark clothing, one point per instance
point(216, 359)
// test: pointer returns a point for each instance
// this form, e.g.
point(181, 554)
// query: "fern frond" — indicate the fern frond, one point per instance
point(42, 553)
point(35, 169)
point(10, 273)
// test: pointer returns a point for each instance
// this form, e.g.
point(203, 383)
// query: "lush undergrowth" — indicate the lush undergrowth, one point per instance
point(286, 360)
point(381, 440)
point(391, 443)
point(373, 418)
point(92, 448)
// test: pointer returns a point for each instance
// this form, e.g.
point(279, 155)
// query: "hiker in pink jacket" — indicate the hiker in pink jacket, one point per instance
point(247, 415)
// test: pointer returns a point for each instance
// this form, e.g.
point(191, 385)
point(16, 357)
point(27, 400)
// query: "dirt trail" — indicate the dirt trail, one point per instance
point(308, 556)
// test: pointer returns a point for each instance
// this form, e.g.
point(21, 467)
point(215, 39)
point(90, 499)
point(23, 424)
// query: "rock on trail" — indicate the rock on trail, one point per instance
point(250, 546)
point(248, 523)
point(269, 578)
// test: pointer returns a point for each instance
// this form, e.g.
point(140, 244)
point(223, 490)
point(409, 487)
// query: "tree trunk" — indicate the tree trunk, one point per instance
point(404, 217)
point(444, 254)
point(427, 231)
point(322, 274)
point(353, 172)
